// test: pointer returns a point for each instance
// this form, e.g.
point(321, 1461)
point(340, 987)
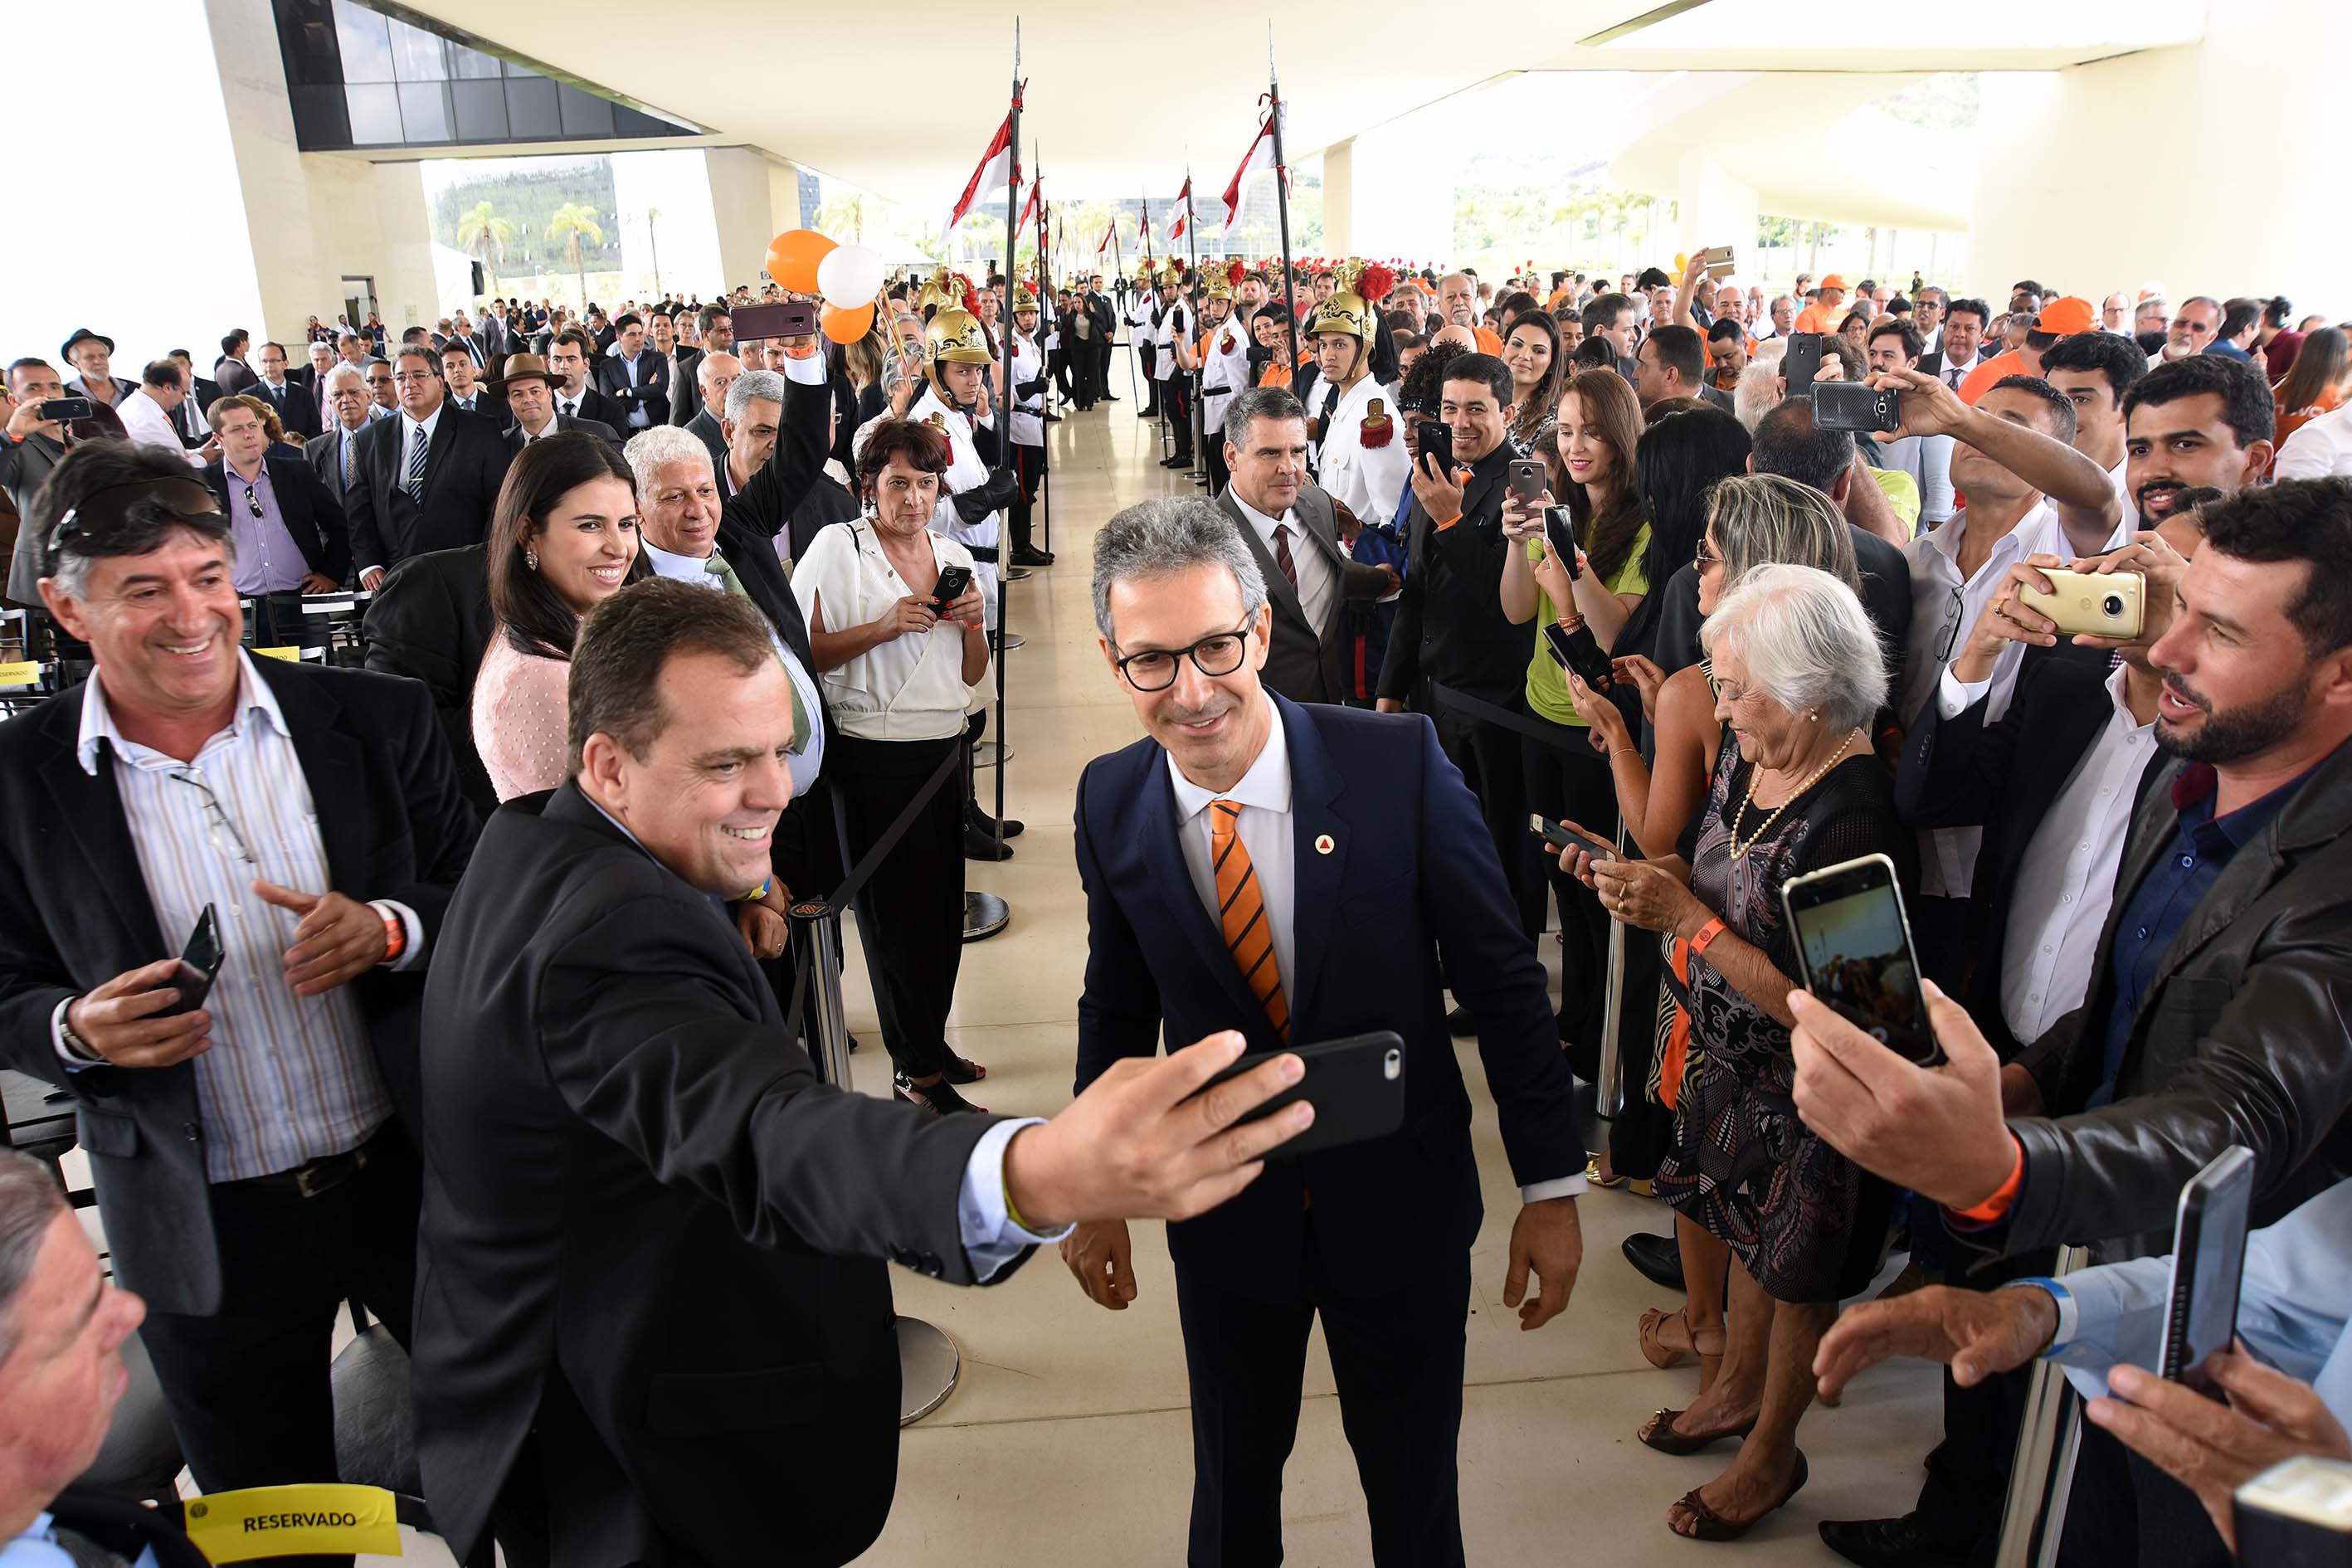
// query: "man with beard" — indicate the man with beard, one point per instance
point(2216, 1015)
point(2203, 420)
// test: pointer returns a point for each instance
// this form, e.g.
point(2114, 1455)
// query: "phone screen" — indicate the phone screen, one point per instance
point(1559, 538)
point(1855, 949)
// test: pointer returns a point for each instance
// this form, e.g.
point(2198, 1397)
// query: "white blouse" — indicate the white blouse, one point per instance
point(909, 688)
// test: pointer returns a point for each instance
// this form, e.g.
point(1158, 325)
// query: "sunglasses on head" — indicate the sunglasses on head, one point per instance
point(142, 501)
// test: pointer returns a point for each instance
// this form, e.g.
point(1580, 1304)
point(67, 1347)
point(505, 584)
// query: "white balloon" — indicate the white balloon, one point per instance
point(849, 275)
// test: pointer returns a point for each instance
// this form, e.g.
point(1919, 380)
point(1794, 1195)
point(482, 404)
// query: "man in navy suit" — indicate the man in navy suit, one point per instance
point(1365, 856)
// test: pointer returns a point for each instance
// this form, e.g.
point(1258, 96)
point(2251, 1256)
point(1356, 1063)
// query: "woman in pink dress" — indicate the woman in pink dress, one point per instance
point(564, 539)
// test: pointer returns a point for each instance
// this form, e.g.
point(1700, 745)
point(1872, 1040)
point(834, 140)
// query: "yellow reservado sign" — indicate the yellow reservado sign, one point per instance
point(289, 1521)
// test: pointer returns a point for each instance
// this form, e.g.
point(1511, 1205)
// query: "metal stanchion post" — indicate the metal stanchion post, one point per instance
point(2042, 1470)
point(1610, 1097)
point(928, 1362)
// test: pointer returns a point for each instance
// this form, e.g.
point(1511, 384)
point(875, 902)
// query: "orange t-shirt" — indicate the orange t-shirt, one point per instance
point(1978, 382)
point(1488, 343)
point(1820, 318)
point(1273, 375)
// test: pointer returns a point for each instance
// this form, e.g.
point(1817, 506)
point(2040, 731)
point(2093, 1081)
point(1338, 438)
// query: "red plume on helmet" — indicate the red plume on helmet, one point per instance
point(1372, 285)
point(1236, 270)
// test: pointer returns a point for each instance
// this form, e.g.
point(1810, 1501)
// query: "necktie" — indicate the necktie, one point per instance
point(1242, 914)
point(717, 567)
point(347, 459)
point(1282, 554)
point(415, 486)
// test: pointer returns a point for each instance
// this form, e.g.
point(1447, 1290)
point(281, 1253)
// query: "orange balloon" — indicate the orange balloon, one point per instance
point(845, 326)
point(792, 256)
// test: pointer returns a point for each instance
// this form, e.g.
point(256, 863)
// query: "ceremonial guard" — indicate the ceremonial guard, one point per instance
point(1174, 326)
point(1027, 404)
point(1224, 358)
point(1143, 333)
point(1356, 451)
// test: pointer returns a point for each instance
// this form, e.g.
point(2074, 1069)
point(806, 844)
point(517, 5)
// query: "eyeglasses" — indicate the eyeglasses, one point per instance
point(1955, 606)
point(252, 501)
point(219, 824)
point(1155, 669)
point(141, 502)
point(1706, 557)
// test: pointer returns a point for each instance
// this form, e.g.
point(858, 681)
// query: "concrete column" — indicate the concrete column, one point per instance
point(754, 200)
point(1339, 198)
point(1392, 196)
point(1713, 207)
point(2228, 197)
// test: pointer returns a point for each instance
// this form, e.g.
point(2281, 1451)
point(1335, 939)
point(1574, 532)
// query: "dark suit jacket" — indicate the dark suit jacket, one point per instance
point(705, 426)
point(605, 433)
point(1959, 772)
point(232, 375)
point(297, 405)
point(431, 622)
point(634, 1183)
point(325, 452)
point(394, 825)
point(653, 388)
point(1412, 874)
point(1300, 664)
point(685, 398)
point(464, 467)
point(598, 409)
point(1450, 625)
point(488, 404)
point(308, 508)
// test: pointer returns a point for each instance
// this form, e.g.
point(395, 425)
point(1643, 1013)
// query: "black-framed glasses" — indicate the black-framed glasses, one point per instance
point(252, 501)
point(219, 826)
point(1954, 610)
point(1154, 670)
point(1704, 558)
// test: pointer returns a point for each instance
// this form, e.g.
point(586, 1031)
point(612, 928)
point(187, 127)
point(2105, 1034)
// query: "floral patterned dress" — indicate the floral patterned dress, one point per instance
point(1806, 1222)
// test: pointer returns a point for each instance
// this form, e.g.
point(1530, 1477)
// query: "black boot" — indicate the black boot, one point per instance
point(975, 816)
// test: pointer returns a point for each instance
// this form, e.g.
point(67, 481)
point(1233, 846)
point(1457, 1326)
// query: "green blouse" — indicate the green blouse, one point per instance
point(1547, 695)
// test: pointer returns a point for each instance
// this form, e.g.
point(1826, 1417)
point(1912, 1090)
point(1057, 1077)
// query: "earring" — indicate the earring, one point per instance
point(1813, 717)
point(530, 558)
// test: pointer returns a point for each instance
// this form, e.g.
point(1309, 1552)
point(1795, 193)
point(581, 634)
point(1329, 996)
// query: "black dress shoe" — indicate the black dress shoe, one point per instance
point(1030, 555)
point(1107, 397)
point(1460, 1024)
point(1181, 460)
point(980, 822)
point(1905, 1542)
point(979, 846)
point(1052, 419)
point(1655, 1258)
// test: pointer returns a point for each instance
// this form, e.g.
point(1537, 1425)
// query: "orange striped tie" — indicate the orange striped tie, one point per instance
point(1242, 913)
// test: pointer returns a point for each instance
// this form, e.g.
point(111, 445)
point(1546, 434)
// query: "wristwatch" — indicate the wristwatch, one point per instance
point(73, 1042)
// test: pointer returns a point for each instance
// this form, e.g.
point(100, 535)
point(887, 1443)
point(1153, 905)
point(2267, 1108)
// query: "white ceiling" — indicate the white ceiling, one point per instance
point(903, 101)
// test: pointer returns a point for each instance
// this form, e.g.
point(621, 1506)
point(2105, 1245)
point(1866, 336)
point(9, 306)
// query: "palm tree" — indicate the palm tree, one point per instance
point(576, 225)
point(849, 211)
point(483, 234)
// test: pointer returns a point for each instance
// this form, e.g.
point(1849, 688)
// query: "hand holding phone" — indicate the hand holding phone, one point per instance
point(1854, 951)
point(954, 580)
point(1528, 480)
point(2208, 1262)
point(1559, 836)
point(1356, 1085)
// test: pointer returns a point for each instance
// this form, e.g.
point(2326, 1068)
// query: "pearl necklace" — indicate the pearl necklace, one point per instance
point(1739, 851)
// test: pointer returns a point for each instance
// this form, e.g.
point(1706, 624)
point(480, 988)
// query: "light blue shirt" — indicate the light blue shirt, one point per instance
point(37, 1548)
point(2291, 1309)
point(806, 764)
point(984, 1216)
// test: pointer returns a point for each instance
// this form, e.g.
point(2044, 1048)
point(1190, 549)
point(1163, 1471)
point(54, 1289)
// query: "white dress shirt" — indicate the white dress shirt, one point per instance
point(409, 431)
point(806, 764)
point(1267, 835)
point(1954, 375)
point(569, 402)
point(2321, 448)
point(288, 1078)
point(1319, 579)
point(1943, 611)
point(145, 421)
point(2067, 879)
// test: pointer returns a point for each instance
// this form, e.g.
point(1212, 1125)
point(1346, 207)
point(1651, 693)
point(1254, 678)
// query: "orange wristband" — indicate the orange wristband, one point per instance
point(1997, 1205)
point(1707, 934)
point(395, 936)
point(1449, 522)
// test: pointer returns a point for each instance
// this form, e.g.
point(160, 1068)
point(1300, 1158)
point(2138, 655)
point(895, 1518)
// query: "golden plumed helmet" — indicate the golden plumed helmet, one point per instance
point(1023, 298)
point(1349, 308)
point(954, 336)
point(1170, 276)
point(942, 288)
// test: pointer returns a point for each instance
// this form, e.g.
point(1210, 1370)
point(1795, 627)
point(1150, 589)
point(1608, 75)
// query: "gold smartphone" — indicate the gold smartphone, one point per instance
point(1718, 261)
point(2100, 605)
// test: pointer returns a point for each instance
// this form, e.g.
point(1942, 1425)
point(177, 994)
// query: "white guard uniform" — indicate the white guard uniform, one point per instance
point(1367, 480)
point(1028, 413)
point(1224, 369)
point(966, 470)
point(1143, 316)
point(1175, 323)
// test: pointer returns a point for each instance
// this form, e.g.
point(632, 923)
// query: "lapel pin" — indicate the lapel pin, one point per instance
point(1323, 843)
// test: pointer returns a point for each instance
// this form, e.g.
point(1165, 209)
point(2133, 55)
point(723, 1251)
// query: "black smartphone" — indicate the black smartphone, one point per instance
point(1798, 366)
point(2208, 1259)
point(1851, 405)
point(200, 961)
point(1576, 650)
point(791, 320)
point(1853, 946)
point(1560, 837)
point(66, 408)
point(1528, 479)
point(1356, 1085)
point(1560, 537)
point(1437, 441)
point(953, 580)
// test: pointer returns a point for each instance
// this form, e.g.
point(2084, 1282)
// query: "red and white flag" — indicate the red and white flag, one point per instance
point(1029, 207)
point(1259, 159)
point(1104, 244)
point(995, 172)
point(1184, 210)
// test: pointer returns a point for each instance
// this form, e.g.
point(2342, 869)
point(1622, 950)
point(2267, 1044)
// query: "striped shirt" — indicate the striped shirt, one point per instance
point(288, 1078)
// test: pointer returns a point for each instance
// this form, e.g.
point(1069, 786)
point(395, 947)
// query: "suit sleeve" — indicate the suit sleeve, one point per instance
point(766, 504)
point(1952, 769)
point(1401, 665)
point(441, 823)
point(34, 979)
point(334, 532)
point(1492, 970)
point(648, 1045)
point(1118, 1010)
point(2119, 1170)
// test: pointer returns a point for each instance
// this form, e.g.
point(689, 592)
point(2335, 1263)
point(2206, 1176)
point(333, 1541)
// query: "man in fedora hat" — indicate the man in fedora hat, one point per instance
point(529, 388)
point(92, 354)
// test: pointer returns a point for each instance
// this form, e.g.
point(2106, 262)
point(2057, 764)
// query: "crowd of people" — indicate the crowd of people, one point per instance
point(664, 627)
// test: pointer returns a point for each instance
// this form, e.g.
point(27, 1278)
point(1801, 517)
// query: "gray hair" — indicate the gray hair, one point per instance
point(1806, 642)
point(1169, 535)
point(1765, 520)
point(753, 386)
point(1259, 403)
point(29, 1201)
point(652, 449)
point(346, 368)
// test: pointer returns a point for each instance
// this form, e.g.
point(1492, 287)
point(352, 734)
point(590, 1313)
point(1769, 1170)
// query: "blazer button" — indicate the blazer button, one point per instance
point(190, 1130)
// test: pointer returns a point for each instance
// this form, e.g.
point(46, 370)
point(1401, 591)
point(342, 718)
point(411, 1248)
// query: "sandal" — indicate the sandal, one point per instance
point(962, 1069)
point(1593, 1177)
point(1654, 1349)
point(1660, 1434)
point(1710, 1525)
point(939, 1099)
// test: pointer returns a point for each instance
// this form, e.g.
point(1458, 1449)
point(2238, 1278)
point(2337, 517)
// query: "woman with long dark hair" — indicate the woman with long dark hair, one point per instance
point(1531, 349)
point(2314, 384)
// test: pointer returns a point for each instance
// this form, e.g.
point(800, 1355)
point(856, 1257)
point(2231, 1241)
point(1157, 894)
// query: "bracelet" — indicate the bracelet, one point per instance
point(395, 936)
point(1707, 934)
point(1997, 1203)
point(1449, 522)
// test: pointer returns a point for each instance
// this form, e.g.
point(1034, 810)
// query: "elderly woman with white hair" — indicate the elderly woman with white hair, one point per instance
point(1795, 787)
